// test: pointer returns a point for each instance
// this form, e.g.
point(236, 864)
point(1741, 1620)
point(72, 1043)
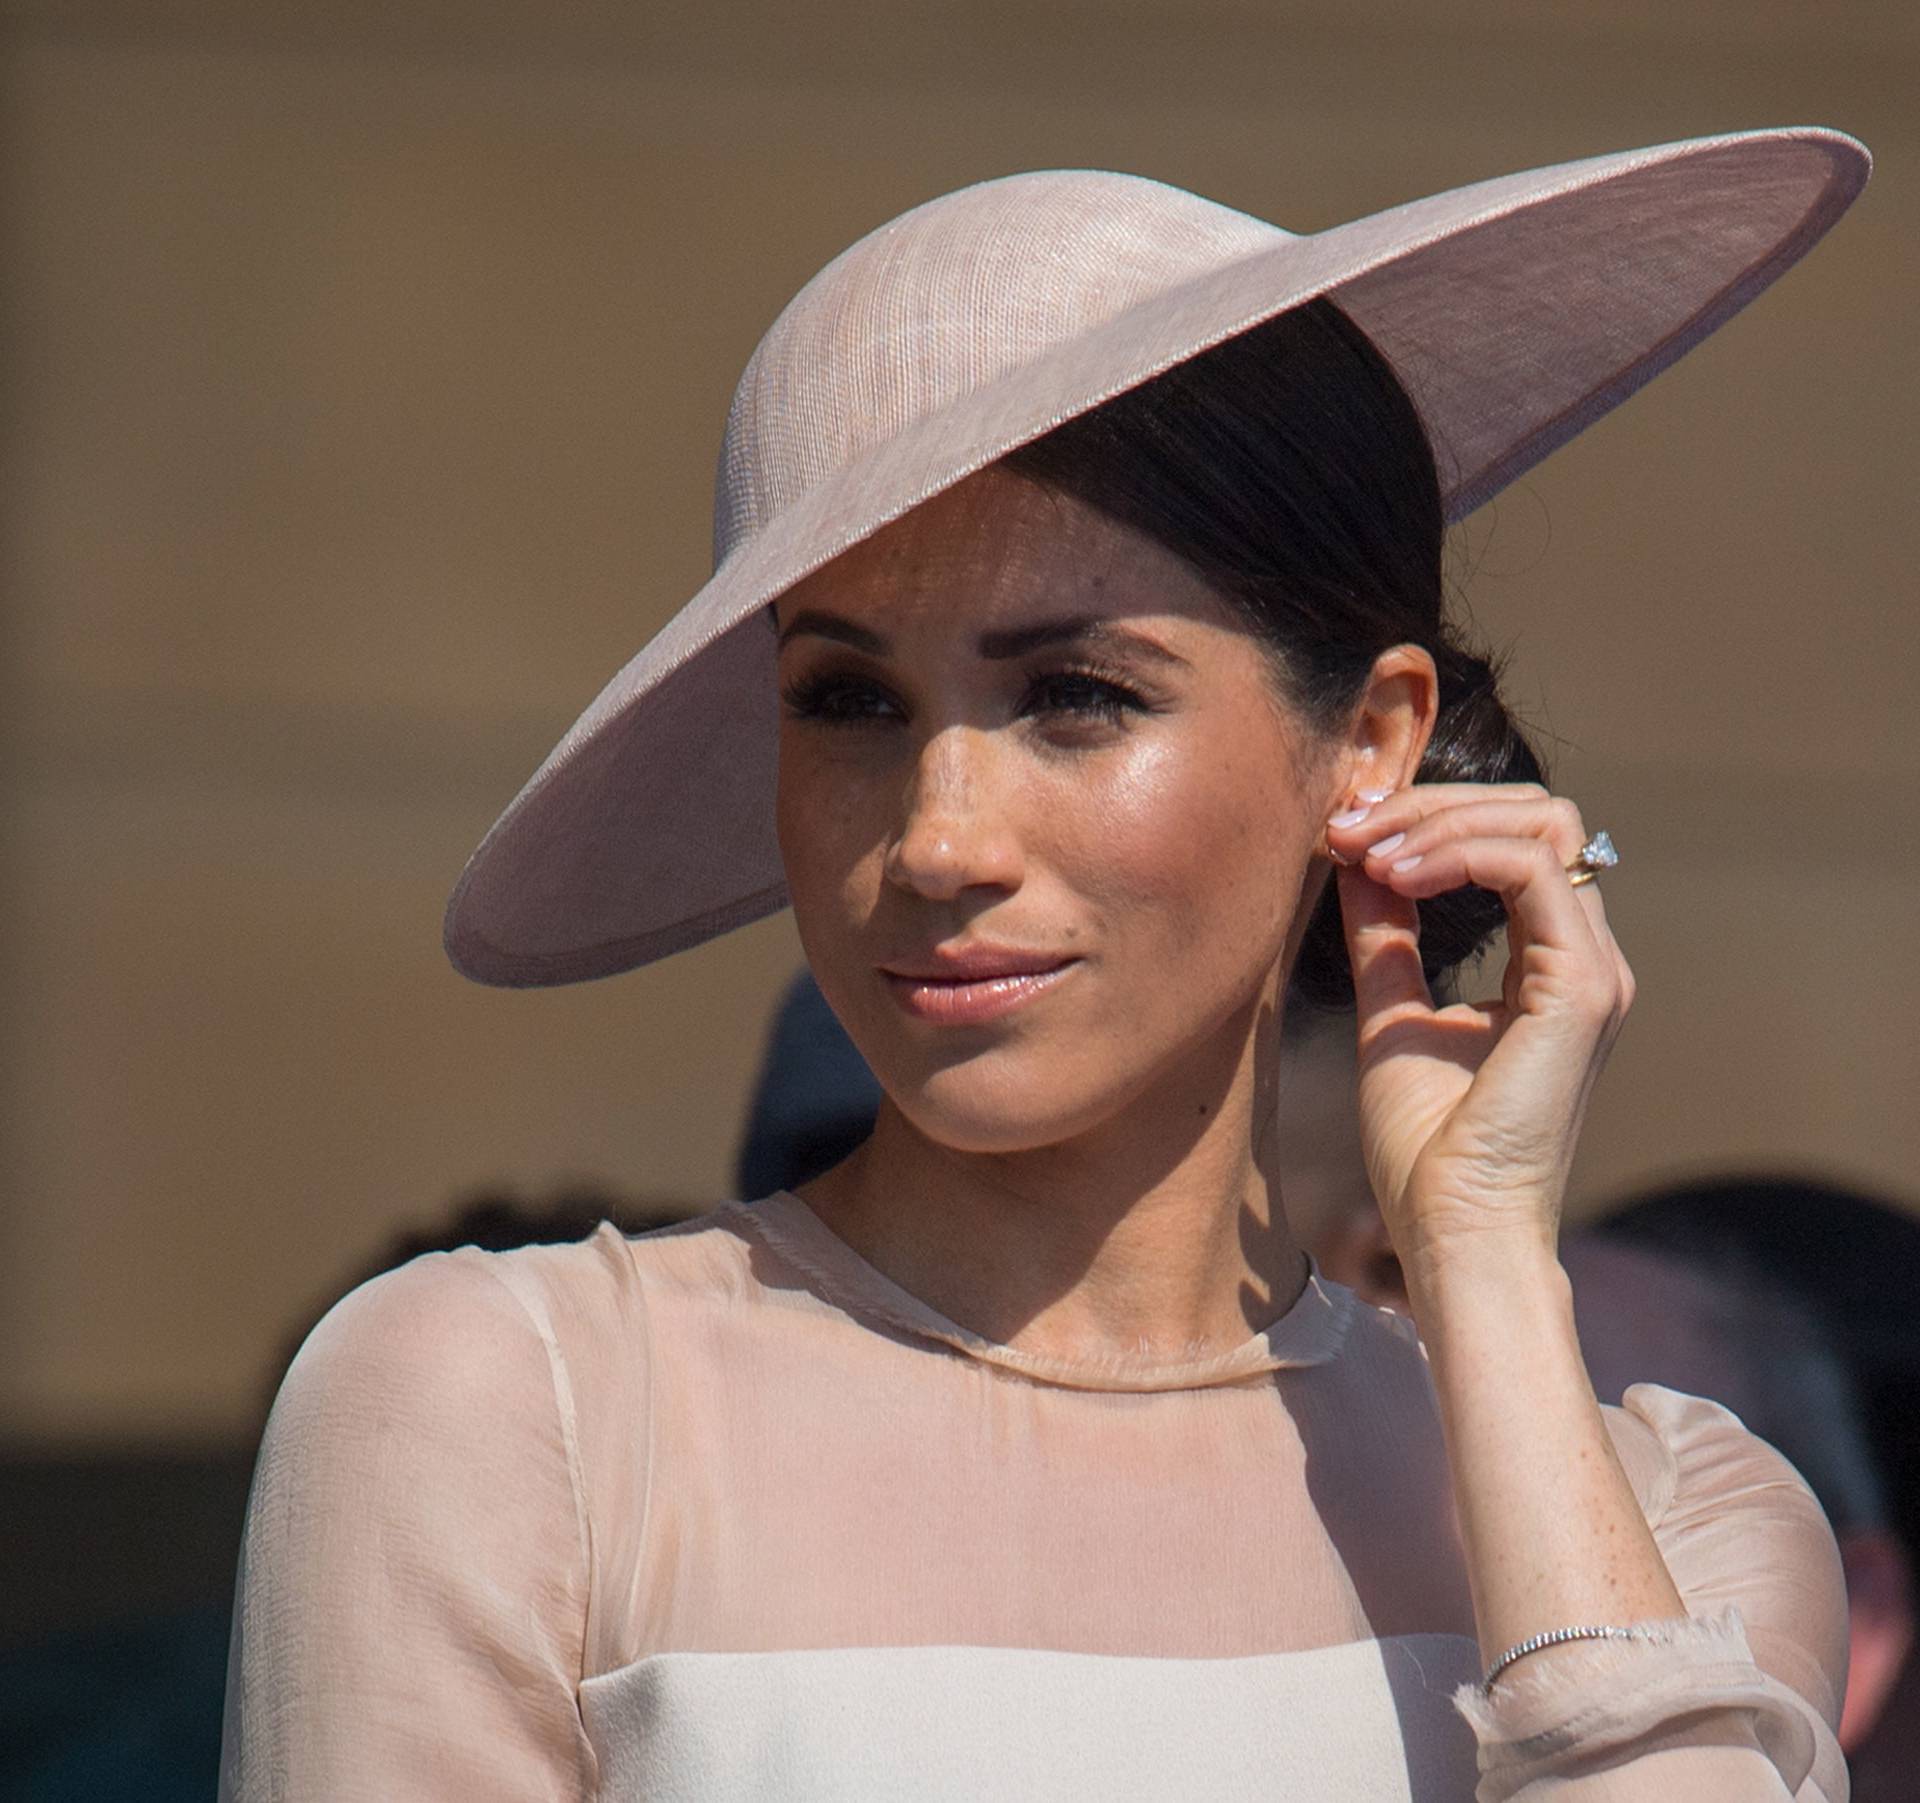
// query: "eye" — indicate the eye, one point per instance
point(840, 700)
point(1085, 694)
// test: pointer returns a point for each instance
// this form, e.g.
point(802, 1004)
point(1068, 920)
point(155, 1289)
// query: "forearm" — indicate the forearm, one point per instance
point(1552, 1533)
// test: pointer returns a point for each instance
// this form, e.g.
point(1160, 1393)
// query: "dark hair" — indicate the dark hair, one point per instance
point(1290, 467)
point(1854, 1258)
point(1735, 1334)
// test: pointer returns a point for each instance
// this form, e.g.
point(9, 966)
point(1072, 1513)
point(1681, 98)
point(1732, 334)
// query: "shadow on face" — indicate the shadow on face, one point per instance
point(1045, 818)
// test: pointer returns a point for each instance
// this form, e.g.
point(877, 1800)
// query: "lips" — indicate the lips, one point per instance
point(975, 964)
point(973, 984)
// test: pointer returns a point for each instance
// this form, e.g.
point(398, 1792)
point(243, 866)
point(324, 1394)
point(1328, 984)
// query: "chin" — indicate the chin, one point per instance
point(995, 1104)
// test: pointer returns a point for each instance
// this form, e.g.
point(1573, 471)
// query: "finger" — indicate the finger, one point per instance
point(1550, 817)
point(1412, 823)
point(1595, 906)
point(1545, 910)
point(1383, 947)
point(1391, 810)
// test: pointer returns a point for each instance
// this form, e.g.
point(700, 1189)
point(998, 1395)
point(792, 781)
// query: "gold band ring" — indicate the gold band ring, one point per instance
point(1596, 855)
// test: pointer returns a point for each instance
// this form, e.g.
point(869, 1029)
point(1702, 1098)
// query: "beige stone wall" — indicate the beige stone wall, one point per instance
point(364, 370)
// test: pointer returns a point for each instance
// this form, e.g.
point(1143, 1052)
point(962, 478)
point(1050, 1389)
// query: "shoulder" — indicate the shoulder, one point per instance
point(441, 1321)
point(423, 1368)
point(417, 1562)
point(473, 1356)
point(710, 1255)
point(433, 1421)
point(449, 1326)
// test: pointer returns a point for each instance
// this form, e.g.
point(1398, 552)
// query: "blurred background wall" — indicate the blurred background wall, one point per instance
point(364, 369)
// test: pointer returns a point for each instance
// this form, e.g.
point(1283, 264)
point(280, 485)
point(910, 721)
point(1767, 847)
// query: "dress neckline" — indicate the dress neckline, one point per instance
point(1308, 1332)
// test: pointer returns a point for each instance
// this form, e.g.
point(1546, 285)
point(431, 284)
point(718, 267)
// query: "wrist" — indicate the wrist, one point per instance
point(1443, 1270)
point(1490, 1299)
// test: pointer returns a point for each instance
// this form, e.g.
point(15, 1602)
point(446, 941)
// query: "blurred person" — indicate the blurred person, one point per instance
point(1648, 1315)
point(813, 1102)
point(1076, 664)
point(1851, 1261)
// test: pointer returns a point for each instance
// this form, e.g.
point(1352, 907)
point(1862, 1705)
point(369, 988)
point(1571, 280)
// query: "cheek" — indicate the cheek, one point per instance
point(1211, 832)
point(825, 821)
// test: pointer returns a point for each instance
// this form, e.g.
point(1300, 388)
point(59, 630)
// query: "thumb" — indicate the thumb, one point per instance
point(1383, 947)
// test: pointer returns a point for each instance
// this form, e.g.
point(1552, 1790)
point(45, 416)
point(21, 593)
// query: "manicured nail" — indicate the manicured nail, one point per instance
point(1386, 845)
point(1373, 797)
point(1352, 817)
point(1408, 863)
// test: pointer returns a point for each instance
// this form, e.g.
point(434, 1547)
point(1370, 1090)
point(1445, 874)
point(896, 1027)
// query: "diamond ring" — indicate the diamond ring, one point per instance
point(1596, 855)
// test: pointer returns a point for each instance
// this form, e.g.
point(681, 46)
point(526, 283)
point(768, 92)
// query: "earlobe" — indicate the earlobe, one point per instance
point(1355, 810)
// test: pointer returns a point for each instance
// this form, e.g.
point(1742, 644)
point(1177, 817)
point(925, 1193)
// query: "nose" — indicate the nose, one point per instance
point(956, 829)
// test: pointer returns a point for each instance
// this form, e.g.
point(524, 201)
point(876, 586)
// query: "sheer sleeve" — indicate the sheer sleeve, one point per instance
point(1738, 1704)
point(414, 1573)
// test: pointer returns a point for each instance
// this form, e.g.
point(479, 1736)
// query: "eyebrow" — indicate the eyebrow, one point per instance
point(1011, 642)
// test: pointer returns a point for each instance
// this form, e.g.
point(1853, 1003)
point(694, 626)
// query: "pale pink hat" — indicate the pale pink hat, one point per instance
point(1516, 311)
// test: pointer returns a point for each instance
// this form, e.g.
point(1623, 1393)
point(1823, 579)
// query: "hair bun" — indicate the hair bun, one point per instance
point(1475, 740)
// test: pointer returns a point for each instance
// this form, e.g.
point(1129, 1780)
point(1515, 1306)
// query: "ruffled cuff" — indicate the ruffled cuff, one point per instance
point(1587, 1707)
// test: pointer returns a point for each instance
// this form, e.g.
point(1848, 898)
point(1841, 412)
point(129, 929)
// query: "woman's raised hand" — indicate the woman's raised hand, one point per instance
point(1469, 1113)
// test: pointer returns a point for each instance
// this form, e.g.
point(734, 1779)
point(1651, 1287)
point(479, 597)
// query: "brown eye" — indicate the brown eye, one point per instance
point(1079, 692)
point(840, 700)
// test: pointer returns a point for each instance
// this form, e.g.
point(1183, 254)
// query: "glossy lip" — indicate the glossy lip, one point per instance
point(978, 983)
point(975, 962)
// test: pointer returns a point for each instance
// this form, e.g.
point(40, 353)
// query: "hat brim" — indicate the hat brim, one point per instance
point(1517, 311)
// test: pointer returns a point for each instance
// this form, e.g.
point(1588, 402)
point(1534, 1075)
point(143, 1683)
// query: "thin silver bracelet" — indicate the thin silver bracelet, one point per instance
point(1554, 1637)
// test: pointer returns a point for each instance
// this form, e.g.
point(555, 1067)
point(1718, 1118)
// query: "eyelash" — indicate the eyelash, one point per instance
point(1103, 696)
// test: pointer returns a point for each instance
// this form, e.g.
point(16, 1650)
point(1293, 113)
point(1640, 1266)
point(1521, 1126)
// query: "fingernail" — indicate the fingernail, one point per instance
point(1352, 817)
point(1386, 845)
point(1408, 863)
point(1373, 797)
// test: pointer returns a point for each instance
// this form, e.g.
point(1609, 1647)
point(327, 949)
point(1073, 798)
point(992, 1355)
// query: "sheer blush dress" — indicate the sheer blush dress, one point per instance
point(720, 1512)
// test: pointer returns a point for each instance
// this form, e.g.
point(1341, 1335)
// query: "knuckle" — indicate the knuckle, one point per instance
point(1566, 814)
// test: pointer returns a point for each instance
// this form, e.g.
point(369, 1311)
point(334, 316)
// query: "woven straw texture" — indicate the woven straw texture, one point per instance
point(1516, 311)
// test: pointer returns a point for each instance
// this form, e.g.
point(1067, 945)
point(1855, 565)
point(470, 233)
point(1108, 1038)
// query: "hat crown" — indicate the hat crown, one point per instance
point(946, 299)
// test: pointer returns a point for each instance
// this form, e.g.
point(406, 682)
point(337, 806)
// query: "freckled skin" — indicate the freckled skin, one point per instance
point(1050, 1176)
point(1166, 846)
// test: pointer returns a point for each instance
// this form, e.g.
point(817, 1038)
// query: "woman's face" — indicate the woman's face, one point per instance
point(1046, 821)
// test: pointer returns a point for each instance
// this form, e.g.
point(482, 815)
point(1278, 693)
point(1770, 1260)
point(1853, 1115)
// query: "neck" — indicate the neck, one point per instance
point(1158, 1233)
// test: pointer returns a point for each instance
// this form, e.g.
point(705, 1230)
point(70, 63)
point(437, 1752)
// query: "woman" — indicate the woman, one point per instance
point(1079, 553)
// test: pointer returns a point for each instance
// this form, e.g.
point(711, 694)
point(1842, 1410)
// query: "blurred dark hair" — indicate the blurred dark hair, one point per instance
point(1850, 1258)
point(1649, 1315)
point(1289, 466)
point(813, 1102)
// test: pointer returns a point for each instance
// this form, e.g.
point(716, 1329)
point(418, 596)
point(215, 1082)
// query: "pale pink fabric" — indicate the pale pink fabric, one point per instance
point(491, 1479)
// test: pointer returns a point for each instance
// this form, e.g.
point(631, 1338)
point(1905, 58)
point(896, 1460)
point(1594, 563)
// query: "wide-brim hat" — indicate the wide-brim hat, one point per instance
point(1516, 311)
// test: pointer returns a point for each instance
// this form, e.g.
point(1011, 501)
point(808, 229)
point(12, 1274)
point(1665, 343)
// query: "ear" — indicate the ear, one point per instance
point(1392, 721)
